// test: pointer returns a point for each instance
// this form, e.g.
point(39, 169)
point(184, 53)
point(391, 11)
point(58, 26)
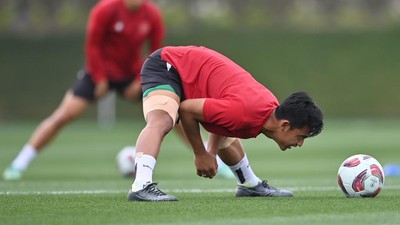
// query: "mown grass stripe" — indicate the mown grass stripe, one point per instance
point(194, 191)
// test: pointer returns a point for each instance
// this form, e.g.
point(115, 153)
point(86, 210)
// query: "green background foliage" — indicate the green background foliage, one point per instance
point(349, 73)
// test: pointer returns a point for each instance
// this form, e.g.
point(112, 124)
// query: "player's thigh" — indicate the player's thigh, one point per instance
point(71, 107)
point(161, 100)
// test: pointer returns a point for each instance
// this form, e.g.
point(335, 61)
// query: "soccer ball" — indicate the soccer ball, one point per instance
point(361, 176)
point(126, 161)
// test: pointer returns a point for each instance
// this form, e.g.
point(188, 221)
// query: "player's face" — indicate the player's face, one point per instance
point(287, 138)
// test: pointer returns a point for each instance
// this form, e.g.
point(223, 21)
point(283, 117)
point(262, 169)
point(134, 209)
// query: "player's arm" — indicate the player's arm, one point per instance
point(95, 32)
point(157, 31)
point(191, 113)
point(155, 39)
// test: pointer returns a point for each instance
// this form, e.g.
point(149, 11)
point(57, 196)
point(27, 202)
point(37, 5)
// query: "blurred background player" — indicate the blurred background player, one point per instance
point(209, 89)
point(117, 32)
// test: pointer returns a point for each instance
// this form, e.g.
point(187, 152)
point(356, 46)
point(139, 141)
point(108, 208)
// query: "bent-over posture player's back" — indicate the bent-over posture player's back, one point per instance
point(200, 86)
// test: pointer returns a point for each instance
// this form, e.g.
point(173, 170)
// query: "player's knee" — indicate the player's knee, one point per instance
point(134, 95)
point(160, 121)
point(164, 105)
point(228, 141)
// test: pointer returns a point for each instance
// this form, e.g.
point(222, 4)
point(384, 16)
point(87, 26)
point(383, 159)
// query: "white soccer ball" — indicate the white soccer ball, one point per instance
point(126, 161)
point(361, 176)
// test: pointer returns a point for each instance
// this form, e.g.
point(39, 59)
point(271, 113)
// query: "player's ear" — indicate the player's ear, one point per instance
point(284, 125)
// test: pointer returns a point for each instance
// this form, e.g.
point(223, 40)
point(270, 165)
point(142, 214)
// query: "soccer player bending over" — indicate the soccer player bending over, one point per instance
point(200, 86)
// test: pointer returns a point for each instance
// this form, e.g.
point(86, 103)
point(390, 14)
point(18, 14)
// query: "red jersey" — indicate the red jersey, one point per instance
point(115, 37)
point(236, 105)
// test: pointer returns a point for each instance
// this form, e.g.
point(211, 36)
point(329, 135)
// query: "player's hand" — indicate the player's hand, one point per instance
point(133, 92)
point(206, 165)
point(101, 89)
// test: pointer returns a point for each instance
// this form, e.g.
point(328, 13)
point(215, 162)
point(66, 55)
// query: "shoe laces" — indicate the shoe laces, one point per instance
point(265, 184)
point(153, 189)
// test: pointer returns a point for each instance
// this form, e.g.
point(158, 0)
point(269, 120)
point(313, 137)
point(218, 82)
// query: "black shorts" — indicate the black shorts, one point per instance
point(155, 73)
point(84, 87)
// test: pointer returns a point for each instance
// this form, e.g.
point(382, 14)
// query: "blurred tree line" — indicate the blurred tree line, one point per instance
point(58, 16)
point(343, 52)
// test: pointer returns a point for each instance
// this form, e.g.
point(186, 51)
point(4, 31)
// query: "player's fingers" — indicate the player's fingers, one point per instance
point(201, 173)
point(211, 173)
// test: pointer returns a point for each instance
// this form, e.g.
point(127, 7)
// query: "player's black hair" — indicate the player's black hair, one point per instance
point(301, 111)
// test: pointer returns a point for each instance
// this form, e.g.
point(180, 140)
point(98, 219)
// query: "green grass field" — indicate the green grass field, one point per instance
point(75, 180)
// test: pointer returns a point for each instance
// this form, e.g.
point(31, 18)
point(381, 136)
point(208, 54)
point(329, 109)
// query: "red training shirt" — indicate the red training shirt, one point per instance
point(115, 37)
point(236, 105)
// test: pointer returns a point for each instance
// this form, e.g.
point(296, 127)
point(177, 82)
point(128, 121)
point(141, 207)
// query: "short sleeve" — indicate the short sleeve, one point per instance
point(226, 113)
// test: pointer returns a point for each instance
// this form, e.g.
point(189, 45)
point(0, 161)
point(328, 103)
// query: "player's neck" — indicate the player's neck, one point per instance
point(132, 6)
point(270, 125)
